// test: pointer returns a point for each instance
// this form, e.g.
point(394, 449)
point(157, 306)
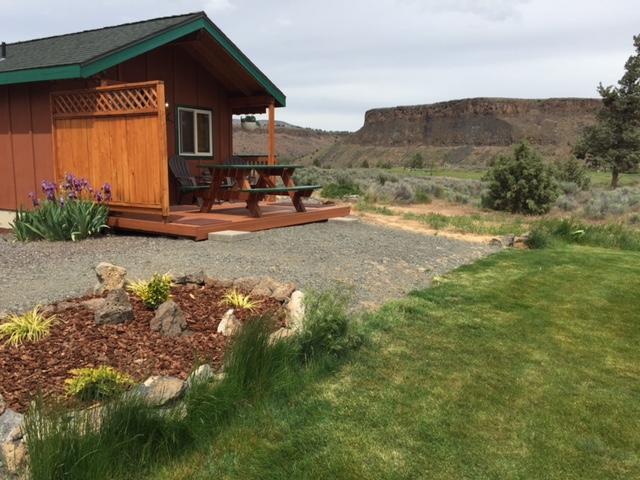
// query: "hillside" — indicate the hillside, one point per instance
point(292, 142)
point(462, 132)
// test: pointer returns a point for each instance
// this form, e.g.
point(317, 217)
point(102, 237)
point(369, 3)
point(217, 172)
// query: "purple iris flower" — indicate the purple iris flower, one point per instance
point(106, 188)
point(49, 189)
point(34, 199)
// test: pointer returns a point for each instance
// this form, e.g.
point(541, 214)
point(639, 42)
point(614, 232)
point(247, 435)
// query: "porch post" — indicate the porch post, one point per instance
point(272, 143)
point(272, 133)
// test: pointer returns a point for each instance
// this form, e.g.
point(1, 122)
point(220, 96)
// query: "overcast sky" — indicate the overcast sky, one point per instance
point(335, 59)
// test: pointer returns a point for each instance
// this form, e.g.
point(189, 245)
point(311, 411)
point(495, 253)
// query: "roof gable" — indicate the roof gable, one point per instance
point(83, 54)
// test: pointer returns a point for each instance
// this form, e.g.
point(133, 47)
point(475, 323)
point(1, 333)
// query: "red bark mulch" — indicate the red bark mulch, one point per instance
point(76, 341)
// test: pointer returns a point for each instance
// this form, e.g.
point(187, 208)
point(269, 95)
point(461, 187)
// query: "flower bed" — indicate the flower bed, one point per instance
point(76, 341)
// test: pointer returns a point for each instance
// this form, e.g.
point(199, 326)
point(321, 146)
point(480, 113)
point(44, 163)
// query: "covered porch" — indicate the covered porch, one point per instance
point(117, 133)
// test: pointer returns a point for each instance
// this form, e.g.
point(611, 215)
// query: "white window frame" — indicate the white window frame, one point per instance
point(195, 112)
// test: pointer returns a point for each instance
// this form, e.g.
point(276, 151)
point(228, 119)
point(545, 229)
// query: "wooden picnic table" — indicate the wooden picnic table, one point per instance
point(231, 182)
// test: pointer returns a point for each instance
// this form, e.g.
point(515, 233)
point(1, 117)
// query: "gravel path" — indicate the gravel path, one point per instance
point(379, 263)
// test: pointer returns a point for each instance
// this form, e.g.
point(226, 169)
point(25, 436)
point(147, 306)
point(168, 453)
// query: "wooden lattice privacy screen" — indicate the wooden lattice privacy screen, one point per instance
point(115, 135)
point(118, 100)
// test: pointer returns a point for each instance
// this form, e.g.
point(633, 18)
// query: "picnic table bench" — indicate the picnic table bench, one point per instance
point(232, 182)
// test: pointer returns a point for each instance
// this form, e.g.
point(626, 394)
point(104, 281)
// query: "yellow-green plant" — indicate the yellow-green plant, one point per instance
point(28, 327)
point(235, 299)
point(96, 383)
point(153, 292)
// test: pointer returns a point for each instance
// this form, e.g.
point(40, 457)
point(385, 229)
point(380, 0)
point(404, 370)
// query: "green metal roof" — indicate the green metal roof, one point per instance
point(83, 54)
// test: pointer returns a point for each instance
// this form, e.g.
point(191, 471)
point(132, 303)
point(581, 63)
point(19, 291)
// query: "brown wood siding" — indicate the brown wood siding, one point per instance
point(26, 143)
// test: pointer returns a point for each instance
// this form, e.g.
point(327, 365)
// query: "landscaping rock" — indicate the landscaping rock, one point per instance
point(229, 324)
point(197, 278)
point(295, 311)
point(169, 320)
point(115, 309)
point(283, 291)
point(201, 374)
point(281, 334)
point(13, 456)
point(160, 390)
point(3, 405)
point(110, 277)
point(521, 241)
point(93, 303)
point(11, 426)
point(12, 448)
point(264, 287)
point(246, 283)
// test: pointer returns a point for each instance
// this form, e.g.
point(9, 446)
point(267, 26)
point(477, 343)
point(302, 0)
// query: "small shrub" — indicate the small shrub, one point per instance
point(154, 292)
point(384, 164)
point(574, 171)
point(343, 186)
point(416, 161)
point(327, 327)
point(88, 384)
point(566, 203)
point(364, 164)
point(422, 196)
point(538, 238)
point(28, 327)
point(235, 299)
point(520, 183)
point(69, 211)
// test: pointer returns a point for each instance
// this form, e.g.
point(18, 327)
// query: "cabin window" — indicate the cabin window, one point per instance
point(194, 132)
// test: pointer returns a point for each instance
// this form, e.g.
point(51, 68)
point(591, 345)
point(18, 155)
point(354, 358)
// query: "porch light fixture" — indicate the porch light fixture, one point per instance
point(166, 105)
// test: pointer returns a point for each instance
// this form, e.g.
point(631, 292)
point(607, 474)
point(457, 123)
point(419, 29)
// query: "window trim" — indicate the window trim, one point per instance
point(195, 111)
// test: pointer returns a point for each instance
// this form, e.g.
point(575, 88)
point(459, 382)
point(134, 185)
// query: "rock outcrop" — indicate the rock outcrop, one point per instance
point(478, 122)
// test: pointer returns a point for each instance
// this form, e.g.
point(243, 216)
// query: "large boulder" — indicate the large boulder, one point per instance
point(110, 277)
point(160, 390)
point(295, 311)
point(12, 448)
point(169, 320)
point(115, 309)
point(229, 324)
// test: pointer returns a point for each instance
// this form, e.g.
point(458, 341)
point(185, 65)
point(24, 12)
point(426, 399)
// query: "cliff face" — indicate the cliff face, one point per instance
point(478, 122)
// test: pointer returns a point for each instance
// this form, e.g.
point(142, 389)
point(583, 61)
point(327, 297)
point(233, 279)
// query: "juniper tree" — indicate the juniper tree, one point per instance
point(614, 141)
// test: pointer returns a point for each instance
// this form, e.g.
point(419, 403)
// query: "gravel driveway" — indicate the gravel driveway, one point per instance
point(379, 263)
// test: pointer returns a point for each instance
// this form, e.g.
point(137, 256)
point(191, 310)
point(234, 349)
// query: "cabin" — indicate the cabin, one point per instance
point(148, 108)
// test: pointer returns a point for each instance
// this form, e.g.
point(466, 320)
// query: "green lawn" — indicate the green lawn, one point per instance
point(598, 179)
point(525, 365)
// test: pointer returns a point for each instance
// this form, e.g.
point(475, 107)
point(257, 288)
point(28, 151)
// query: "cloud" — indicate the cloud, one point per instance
point(217, 5)
point(336, 58)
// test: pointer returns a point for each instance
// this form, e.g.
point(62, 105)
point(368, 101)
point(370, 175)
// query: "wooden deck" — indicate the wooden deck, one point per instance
point(188, 221)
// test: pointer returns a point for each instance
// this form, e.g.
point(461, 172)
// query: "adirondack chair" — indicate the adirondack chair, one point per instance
point(188, 183)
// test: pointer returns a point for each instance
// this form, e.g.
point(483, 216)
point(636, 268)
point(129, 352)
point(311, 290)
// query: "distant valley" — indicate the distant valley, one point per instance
point(457, 133)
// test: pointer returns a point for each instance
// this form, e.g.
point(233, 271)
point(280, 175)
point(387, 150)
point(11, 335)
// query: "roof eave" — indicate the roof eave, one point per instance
point(123, 54)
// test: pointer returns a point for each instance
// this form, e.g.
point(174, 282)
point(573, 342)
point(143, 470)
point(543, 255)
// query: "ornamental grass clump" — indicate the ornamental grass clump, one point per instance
point(71, 210)
point(154, 292)
point(236, 299)
point(31, 326)
point(101, 383)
